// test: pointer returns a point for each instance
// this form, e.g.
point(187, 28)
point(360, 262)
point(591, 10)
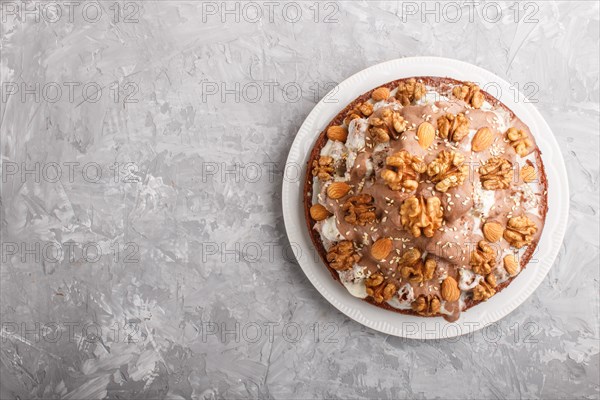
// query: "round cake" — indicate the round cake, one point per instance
point(425, 196)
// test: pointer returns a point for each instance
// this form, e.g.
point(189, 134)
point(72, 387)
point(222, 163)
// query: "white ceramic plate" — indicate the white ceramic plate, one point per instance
point(406, 325)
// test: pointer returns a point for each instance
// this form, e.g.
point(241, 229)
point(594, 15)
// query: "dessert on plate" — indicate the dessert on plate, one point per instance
point(425, 196)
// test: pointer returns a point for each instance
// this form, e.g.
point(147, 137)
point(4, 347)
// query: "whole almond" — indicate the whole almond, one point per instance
point(492, 231)
point(510, 265)
point(425, 134)
point(381, 248)
point(318, 212)
point(381, 93)
point(337, 132)
point(482, 139)
point(450, 290)
point(528, 173)
point(337, 190)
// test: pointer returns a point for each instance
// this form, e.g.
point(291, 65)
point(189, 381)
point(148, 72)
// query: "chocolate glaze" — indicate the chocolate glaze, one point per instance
point(451, 245)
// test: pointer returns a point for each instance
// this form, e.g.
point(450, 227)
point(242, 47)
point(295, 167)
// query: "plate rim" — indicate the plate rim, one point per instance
point(397, 324)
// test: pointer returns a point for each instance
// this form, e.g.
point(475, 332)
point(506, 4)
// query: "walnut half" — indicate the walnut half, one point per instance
point(379, 289)
point(453, 127)
point(470, 93)
point(447, 170)
point(402, 171)
point(427, 305)
point(496, 173)
point(413, 269)
point(387, 125)
point(483, 258)
point(409, 91)
point(359, 210)
point(519, 231)
point(361, 110)
point(519, 141)
point(485, 289)
point(421, 216)
point(342, 256)
point(323, 168)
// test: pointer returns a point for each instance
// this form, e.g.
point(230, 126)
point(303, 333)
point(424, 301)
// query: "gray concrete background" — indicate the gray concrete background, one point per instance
point(144, 252)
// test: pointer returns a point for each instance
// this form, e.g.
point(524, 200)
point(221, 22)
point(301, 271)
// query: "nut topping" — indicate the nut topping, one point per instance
point(402, 171)
point(399, 123)
point(484, 137)
point(453, 127)
point(447, 170)
point(528, 173)
point(426, 134)
point(387, 125)
point(342, 256)
point(323, 168)
point(496, 173)
point(337, 190)
point(491, 280)
point(409, 91)
point(519, 231)
point(361, 110)
point(381, 93)
point(338, 133)
point(379, 134)
point(379, 289)
point(426, 305)
point(470, 93)
point(450, 290)
point(510, 265)
point(375, 280)
point(485, 289)
point(519, 141)
point(381, 248)
point(413, 269)
point(483, 258)
point(492, 231)
point(318, 212)
point(421, 217)
point(359, 210)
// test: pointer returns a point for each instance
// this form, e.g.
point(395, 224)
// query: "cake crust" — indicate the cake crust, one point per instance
point(439, 84)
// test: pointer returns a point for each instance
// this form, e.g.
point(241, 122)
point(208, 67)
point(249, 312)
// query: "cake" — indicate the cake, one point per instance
point(425, 196)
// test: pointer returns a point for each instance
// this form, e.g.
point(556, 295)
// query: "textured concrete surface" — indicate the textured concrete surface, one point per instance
point(143, 247)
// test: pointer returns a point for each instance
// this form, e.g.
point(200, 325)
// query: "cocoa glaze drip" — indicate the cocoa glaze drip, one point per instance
point(452, 244)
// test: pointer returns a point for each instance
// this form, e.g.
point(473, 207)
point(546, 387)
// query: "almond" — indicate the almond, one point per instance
point(337, 132)
point(381, 93)
point(337, 190)
point(425, 134)
point(492, 231)
point(528, 173)
point(318, 212)
point(510, 265)
point(450, 290)
point(482, 139)
point(381, 248)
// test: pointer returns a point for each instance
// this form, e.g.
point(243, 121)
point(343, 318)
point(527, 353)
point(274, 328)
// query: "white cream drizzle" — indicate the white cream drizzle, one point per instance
point(483, 200)
point(404, 298)
point(354, 280)
point(468, 279)
point(356, 289)
point(330, 231)
point(431, 96)
point(504, 120)
point(443, 308)
point(380, 147)
point(357, 131)
point(334, 149)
